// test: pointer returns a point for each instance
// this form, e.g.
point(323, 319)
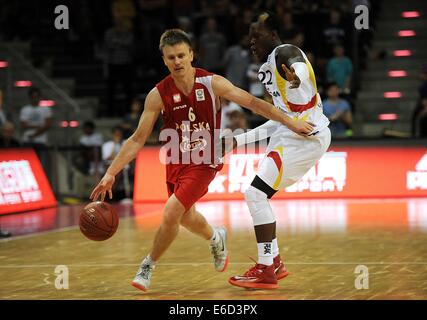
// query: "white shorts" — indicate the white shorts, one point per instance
point(289, 156)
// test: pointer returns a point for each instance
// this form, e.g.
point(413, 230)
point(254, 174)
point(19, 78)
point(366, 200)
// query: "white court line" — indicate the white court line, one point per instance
point(196, 264)
point(25, 236)
point(36, 234)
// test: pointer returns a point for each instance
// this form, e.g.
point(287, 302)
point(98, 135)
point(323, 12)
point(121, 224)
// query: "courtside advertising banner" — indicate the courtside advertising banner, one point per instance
point(343, 172)
point(23, 183)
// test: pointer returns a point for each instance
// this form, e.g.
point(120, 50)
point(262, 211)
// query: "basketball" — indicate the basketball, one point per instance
point(98, 221)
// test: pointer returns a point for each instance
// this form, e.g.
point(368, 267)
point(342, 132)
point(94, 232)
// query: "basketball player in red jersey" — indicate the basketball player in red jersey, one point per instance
point(188, 100)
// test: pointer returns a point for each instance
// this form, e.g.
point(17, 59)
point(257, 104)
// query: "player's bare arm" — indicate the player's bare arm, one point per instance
point(224, 88)
point(152, 108)
point(287, 59)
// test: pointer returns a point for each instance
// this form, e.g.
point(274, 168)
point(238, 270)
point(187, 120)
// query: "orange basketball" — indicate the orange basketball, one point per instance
point(98, 221)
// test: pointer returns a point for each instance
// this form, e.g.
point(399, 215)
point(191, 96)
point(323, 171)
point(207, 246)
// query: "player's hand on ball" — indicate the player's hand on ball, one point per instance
point(106, 184)
point(301, 127)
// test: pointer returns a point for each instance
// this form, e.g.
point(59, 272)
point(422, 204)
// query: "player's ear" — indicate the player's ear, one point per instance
point(191, 55)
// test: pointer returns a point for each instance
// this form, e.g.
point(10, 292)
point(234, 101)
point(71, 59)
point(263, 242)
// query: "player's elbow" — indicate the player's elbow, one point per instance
point(301, 70)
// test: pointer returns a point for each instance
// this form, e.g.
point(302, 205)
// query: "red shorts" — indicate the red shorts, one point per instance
point(189, 182)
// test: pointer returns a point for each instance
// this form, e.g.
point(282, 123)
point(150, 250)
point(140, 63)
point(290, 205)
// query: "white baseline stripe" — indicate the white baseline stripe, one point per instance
point(196, 264)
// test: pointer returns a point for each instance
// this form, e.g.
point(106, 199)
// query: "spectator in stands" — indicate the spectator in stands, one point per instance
point(119, 44)
point(289, 31)
point(237, 120)
point(153, 16)
point(212, 46)
point(109, 150)
point(123, 9)
point(236, 61)
point(421, 120)
point(338, 112)
point(242, 23)
point(227, 108)
point(6, 139)
point(4, 116)
point(340, 69)
point(130, 121)
point(35, 121)
point(335, 32)
point(256, 88)
point(422, 91)
point(89, 159)
point(112, 147)
point(90, 138)
point(184, 23)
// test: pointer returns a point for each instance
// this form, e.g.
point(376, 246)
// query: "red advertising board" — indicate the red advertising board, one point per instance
point(23, 183)
point(343, 172)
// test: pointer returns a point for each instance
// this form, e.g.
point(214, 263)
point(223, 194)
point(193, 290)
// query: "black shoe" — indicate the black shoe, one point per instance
point(4, 234)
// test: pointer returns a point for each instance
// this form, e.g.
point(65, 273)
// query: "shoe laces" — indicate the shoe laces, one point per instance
point(217, 249)
point(146, 271)
point(255, 270)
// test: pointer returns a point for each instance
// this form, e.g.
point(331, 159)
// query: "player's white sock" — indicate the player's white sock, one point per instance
point(215, 236)
point(275, 248)
point(149, 261)
point(265, 253)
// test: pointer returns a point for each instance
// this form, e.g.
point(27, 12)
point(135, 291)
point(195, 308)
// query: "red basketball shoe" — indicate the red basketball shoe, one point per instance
point(258, 277)
point(279, 268)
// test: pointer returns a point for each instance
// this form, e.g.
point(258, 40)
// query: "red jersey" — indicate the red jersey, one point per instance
point(190, 122)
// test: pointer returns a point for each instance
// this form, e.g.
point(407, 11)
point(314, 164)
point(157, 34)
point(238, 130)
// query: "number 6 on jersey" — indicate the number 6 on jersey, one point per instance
point(191, 115)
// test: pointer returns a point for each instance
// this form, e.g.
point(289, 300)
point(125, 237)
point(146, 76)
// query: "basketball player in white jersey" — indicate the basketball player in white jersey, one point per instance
point(289, 79)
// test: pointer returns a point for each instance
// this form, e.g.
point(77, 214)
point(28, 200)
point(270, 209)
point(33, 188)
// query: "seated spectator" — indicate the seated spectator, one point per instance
point(338, 112)
point(90, 138)
point(227, 108)
point(6, 138)
point(340, 70)
point(112, 147)
point(131, 120)
point(421, 120)
point(237, 120)
point(89, 160)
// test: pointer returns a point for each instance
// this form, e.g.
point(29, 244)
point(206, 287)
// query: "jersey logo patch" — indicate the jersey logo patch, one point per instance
point(176, 98)
point(200, 95)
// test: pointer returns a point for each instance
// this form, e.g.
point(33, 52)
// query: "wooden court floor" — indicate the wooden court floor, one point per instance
point(323, 243)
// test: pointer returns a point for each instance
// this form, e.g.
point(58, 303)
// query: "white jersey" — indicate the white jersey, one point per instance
point(303, 102)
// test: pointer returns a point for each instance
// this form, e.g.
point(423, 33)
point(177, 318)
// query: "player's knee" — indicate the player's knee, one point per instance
point(173, 212)
point(171, 218)
point(258, 206)
point(172, 215)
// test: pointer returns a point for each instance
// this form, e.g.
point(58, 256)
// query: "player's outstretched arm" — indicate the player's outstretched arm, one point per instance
point(259, 133)
point(152, 108)
point(224, 88)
